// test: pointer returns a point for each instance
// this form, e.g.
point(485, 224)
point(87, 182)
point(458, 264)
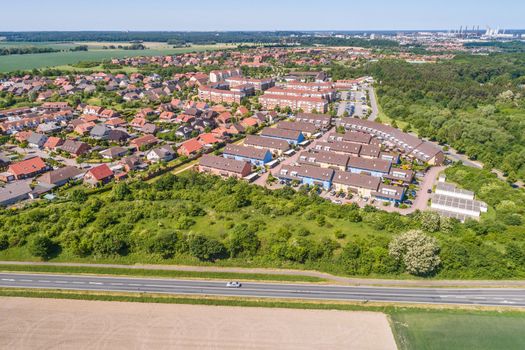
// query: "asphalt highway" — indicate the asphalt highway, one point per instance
point(467, 296)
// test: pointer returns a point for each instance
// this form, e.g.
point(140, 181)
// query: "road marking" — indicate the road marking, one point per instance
point(98, 283)
point(8, 279)
point(78, 282)
point(43, 281)
point(26, 280)
point(134, 284)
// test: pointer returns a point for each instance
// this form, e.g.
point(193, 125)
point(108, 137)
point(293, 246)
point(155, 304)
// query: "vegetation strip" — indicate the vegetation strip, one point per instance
point(159, 273)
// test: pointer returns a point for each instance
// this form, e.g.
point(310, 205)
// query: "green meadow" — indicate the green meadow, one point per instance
point(95, 53)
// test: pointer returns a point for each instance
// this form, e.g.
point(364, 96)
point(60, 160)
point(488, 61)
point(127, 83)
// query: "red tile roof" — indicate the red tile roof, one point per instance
point(28, 166)
point(101, 172)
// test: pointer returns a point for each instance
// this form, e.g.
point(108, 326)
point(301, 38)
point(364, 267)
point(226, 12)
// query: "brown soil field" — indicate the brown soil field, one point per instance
point(76, 324)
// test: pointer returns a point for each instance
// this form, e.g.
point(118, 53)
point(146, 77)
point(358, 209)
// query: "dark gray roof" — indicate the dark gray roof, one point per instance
point(324, 157)
point(60, 174)
point(357, 180)
point(370, 164)
point(281, 133)
point(232, 165)
point(309, 171)
point(268, 142)
point(299, 126)
point(246, 151)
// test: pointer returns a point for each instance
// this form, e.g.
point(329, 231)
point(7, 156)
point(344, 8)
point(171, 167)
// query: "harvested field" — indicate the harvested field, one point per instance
point(75, 324)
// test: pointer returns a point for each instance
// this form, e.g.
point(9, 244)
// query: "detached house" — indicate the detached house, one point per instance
point(101, 174)
point(27, 168)
point(161, 154)
point(75, 148)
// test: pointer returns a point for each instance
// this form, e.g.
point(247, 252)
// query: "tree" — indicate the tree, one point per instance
point(121, 191)
point(163, 243)
point(243, 241)
point(430, 221)
point(418, 252)
point(78, 196)
point(41, 246)
point(204, 248)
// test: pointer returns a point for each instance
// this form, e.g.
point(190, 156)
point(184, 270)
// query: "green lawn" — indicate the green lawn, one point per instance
point(30, 61)
point(437, 330)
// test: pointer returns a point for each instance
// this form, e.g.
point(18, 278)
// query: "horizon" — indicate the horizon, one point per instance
point(234, 15)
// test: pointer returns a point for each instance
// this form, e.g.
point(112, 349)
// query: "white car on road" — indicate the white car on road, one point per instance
point(233, 284)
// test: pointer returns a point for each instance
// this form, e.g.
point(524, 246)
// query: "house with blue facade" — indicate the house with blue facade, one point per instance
point(394, 194)
point(256, 156)
point(293, 137)
point(375, 167)
point(307, 175)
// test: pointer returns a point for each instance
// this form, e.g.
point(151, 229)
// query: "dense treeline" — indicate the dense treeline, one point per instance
point(25, 50)
point(192, 218)
point(473, 103)
point(182, 38)
point(508, 46)
point(173, 38)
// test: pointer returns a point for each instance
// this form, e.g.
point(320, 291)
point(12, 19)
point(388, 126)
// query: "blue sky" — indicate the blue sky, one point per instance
point(204, 15)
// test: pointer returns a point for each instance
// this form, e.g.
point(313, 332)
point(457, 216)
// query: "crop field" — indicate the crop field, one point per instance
point(95, 53)
point(433, 330)
point(49, 323)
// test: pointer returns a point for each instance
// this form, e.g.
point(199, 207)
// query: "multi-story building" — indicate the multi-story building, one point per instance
point(220, 75)
point(328, 95)
point(307, 104)
point(258, 84)
point(207, 93)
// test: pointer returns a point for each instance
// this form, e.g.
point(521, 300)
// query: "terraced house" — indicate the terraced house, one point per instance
point(307, 175)
point(293, 137)
point(256, 156)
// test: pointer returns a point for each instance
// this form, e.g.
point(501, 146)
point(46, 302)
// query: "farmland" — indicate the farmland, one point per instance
point(94, 53)
point(428, 330)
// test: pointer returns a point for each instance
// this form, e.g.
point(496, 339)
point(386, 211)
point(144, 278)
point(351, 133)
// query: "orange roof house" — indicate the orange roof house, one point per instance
point(53, 142)
point(27, 168)
point(98, 174)
point(84, 128)
point(192, 146)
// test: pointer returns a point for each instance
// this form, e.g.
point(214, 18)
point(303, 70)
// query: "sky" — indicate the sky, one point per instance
point(225, 15)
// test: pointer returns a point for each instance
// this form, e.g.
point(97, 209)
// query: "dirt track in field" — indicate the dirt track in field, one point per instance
point(75, 324)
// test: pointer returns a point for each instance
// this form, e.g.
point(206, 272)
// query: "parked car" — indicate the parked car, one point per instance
point(429, 190)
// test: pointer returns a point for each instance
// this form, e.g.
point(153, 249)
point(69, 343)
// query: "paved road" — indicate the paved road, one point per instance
point(488, 297)
point(373, 104)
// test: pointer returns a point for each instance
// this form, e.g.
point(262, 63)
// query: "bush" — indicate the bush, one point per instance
point(4, 242)
point(41, 246)
point(206, 249)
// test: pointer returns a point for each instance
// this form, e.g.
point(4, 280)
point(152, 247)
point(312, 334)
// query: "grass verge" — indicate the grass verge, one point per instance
point(159, 273)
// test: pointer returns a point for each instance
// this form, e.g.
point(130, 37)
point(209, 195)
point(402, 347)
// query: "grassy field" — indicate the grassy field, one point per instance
point(436, 330)
point(95, 53)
